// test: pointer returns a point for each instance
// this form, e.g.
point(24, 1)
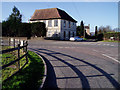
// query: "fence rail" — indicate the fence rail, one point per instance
point(11, 41)
point(18, 48)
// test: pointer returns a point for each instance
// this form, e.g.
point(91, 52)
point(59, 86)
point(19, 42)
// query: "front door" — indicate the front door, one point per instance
point(64, 34)
point(69, 35)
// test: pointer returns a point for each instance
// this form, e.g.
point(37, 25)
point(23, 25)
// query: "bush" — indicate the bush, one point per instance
point(24, 29)
point(100, 37)
point(38, 29)
point(116, 35)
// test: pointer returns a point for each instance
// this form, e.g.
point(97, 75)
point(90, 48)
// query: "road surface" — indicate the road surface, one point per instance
point(79, 64)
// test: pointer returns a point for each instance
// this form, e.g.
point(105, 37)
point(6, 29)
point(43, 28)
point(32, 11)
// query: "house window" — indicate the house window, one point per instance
point(73, 23)
point(55, 22)
point(50, 23)
point(69, 24)
point(64, 23)
point(44, 21)
point(49, 33)
point(73, 34)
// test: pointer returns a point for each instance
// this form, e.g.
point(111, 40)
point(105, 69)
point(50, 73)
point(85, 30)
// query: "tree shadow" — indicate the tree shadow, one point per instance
point(85, 83)
point(50, 81)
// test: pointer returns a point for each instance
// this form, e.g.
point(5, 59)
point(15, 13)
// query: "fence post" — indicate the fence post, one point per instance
point(26, 51)
point(19, 42)
point(23, 45)
point(18, 56)
point(14, 42)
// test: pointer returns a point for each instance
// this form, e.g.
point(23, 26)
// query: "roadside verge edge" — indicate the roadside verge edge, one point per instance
point(45, 71)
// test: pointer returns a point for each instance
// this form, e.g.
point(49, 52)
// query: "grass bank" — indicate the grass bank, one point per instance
point(30, 76)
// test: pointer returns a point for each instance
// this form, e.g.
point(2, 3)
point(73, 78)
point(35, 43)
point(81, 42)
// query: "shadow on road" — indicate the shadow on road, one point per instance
point(51, 78)
point(50, 81)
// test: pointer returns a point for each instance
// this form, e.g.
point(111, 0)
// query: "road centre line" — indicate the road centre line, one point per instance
point(111, 58)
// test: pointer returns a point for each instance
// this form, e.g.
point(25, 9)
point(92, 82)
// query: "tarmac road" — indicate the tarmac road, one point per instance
point(79, 64)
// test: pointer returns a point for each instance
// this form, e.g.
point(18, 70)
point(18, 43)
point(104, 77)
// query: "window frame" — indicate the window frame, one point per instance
point(49, 23)
point(64, 23)
point(69, 24)
point(56, 23)
point(73, 23)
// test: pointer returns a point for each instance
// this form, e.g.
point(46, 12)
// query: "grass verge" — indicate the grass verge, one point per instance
point(110, 41)
point(30, 76)
point(7, 58)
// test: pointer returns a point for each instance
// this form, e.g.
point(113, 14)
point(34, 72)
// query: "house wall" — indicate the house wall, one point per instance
point(88, 31)
point(51, 31)
point(54, 30)
point(66, 29)
point(58, 31)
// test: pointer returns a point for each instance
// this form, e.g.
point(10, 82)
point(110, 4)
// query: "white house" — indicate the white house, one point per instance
point(58, 22)
point(87, 28)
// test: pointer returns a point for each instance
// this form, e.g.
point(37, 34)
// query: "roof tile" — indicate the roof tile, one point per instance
point(51, 13)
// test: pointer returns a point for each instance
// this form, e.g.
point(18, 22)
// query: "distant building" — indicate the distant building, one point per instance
point(87, 28)
point(58, 22)
point(92, 33)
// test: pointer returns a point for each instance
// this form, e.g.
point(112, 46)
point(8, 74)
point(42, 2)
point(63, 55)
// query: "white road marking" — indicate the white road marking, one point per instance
point(60, 47)
point(66, 47)
point(107, 44)
point(95, 50)
point(111, 58)
point(98, 44)
point(112, 45)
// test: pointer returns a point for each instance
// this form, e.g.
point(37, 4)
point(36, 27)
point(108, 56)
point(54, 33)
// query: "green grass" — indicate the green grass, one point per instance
point(7, 58)
point(110, 41)
point(30, 76)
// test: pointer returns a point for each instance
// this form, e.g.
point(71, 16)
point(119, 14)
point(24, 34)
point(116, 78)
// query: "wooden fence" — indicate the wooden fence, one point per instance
point(12, 41)
point(18, 48)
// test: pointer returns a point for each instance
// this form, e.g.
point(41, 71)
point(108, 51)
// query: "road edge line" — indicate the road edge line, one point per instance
point(111, 58)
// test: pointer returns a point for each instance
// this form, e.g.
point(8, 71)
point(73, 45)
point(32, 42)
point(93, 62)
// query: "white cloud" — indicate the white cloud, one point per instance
point(60, 0)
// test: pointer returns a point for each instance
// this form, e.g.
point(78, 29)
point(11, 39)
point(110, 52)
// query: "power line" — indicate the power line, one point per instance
point(77, 11)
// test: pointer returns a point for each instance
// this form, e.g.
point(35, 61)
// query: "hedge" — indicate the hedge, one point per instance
point(116, 35)
point(24, 29)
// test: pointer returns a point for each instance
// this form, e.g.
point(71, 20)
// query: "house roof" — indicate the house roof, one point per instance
point(51, 13)
point(87, 27)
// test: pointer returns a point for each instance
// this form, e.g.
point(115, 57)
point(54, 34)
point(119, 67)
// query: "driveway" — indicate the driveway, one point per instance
point(79, 64)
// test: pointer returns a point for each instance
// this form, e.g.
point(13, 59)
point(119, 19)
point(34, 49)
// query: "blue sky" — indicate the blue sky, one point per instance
point(93, 13)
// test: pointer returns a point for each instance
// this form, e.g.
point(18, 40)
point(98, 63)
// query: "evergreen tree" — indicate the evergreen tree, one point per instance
point(82, 28)
point(15, 16)
point(12, 25)
point(78, 31)
point(96, 32)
